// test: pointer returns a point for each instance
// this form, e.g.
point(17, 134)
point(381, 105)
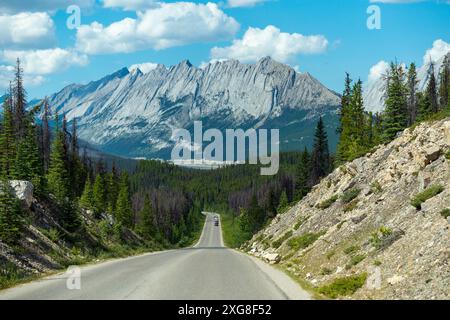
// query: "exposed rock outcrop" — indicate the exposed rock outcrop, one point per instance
point(23, 190)
point(405, 251)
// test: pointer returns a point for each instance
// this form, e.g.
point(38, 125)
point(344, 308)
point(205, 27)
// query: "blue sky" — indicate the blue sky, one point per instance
point(325, 38)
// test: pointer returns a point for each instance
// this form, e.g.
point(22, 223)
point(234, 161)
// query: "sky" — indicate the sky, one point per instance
point(62, 42)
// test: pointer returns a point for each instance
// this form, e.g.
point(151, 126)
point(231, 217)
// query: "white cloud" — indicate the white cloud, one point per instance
point(170, 25)
point(440, 48)
point(26, 30)
point(145, 67)
point(131, 4)
point(7, 75)
point(12, 6)
point(243, 3)
point(45, 61)
point(257, 43)
point(377, 71)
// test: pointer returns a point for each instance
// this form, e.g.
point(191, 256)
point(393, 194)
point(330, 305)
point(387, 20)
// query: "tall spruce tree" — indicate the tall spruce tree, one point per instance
point(147, 219)
point(10, 214)
point(7, 141)
point(320, 158)
point(124, 213)
point(444, 83)
point(431, 90)
point(412, 103)
point(302, 176)
point(46, 135)
point(344, 118)
point(396, 115)
point(19, 101)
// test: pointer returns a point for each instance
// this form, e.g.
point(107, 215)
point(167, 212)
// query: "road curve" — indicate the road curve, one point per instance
point(207, 271)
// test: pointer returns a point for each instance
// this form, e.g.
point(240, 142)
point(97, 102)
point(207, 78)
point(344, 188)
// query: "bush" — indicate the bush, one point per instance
point(351, 249)
point(305, 240)
point(343, 286)
point(355, 260)
point(349, 195)
point(327, 203)
point(447, 155)
point(300, 222)
point(277, 243)
point(425, 195)
point(445, 213)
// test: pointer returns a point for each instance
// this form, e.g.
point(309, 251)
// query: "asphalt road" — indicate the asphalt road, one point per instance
point(206, 271)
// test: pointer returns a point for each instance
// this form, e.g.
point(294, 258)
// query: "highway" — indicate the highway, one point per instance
point(206, 271)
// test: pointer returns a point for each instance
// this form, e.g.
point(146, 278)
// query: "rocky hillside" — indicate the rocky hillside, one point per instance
point(45, 246)
point(375, 228)
point(133, 114)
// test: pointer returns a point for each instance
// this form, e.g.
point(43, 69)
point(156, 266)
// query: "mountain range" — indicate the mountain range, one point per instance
point(132, 113)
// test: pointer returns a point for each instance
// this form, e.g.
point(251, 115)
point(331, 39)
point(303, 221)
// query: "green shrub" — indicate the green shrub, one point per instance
point(277, 243)
point(355, 260)
point(445, 213)
point(52, 234)
point(343, 286)
point(351, 249)
point(305, 240)
point(327, 203)
point(331, 254)
point(447, 155)
point(349, 195)
point(326, 271)
point(300, 222)
point(376, 187)
point(429, 193)
point(377, 263)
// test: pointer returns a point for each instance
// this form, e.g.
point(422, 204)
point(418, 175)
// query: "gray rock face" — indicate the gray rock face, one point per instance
point(133, 114)
point(382, 228)
point(23, 190)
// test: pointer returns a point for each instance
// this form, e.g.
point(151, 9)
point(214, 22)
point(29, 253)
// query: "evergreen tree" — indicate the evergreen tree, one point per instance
point(113, 188)
point(424, 106)
point(320, 158)
point(412, 103)
point(431, 90)
point(58, 177)
point(10, 220)
point(444, 83)
point(19, 101)
point(396, 116)
point(46, 135)
point(7, 141)
point(302, 176)
point(124, 214)
point(271, 206)
point(147, 222)
point(99, 194)
point(343, 120)
point(87, 198)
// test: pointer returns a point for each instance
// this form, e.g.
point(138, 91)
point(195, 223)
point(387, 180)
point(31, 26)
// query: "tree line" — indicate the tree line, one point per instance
point(405, 106)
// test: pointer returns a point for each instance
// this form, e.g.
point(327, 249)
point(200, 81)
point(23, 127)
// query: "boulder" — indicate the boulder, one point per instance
point(23, 190)
point(272, 258)
point(432, 154)
point(395, 279)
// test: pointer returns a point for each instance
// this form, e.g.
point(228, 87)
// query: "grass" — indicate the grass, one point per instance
point(429, 193)
point(327, 203)
point(277, 243)
point(355, 260)
point(233, 236)
point(447, 155)
point(352, 249)
point(345, 286)
point(349, 195)
point(445, 213)
point(300, 222)
point(304, 241)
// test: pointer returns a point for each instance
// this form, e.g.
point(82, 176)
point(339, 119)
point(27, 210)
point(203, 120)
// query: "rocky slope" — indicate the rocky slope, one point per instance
point(360, 221)
point(132, 114)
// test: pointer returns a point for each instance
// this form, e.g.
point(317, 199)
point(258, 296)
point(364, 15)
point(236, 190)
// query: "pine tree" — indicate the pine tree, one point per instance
point(147, 223)
point(99, 194)
point(46, 135)
point(424, 106)
point(10, 220)
point(431, 90)
point(320, 158)
point(58, 177)
point(7, 141)
point(124, 214)
point(396, 116)
point(87, 198)
point(343, 120)
point(19, 101)
point(113, 188)
point(302, 176)
point(412, 103)
point(444, 83)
